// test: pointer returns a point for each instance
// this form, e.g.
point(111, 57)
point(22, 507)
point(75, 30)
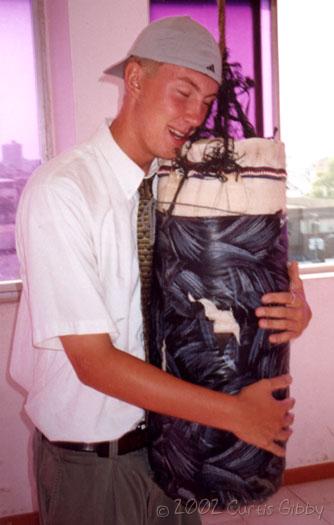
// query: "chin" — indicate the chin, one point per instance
point(171, 154)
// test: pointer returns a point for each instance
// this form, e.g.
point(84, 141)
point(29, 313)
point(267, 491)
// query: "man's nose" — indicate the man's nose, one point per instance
point(196, 114)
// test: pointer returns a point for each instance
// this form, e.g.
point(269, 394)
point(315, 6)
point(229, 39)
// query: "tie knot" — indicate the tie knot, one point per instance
point(145, 189)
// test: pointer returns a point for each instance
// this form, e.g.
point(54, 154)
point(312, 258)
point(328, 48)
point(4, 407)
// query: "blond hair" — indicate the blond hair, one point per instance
point(149, 66)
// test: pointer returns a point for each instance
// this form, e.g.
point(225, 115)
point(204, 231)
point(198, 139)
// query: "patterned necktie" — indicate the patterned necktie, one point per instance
point(145, 252)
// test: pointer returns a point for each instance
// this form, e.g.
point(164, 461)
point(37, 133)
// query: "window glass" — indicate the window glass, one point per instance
point(19, 135)
point(306, 82)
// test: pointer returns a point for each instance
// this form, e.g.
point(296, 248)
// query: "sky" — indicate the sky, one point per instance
point(18, 104)
point(306, 43)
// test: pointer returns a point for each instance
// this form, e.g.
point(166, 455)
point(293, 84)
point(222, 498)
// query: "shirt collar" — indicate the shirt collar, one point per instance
point(129, 175)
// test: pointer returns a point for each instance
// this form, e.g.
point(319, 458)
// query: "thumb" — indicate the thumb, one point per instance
point(293, 270)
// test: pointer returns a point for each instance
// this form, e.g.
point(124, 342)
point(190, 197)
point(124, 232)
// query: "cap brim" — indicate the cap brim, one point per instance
point(116, 69)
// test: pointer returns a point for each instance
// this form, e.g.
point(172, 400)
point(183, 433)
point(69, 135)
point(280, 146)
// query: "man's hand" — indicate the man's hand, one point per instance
point(265, 420)
point(291, 316)
point(252, 414)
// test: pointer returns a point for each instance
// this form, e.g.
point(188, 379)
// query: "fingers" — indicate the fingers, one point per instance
point(288, 419)
point(287, 404)
point(280, 323)
point(263, 420)
point(293, 298)
point(276, 449)
point(277, 445)
point(282, 337)
point(286, 313)
point(276, 298)
point(288, 329)
point(288, 320)
point(285, 319)
point(280, 312)
point(284, 435)
point(276, 383)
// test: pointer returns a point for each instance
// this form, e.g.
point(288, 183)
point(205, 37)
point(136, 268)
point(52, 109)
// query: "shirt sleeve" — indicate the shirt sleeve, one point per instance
point(59, 266)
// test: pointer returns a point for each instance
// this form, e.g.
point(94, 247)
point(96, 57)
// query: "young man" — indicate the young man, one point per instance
point(78, 347)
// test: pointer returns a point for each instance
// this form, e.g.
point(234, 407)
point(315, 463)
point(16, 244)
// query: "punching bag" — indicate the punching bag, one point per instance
point(221, 243)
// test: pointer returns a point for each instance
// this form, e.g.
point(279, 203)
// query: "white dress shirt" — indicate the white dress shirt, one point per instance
point(77, 246)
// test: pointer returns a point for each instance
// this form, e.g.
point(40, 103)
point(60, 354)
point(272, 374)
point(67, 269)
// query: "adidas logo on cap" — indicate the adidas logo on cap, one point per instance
point(211, 68)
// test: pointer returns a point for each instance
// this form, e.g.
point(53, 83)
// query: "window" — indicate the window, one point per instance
point(296, 37)
point(20, 144)
point(306, 83)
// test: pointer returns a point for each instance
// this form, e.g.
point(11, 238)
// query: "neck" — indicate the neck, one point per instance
point(125, 135)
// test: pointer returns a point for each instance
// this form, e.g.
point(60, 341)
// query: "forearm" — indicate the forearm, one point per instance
point(125, 377)
point(253, 414)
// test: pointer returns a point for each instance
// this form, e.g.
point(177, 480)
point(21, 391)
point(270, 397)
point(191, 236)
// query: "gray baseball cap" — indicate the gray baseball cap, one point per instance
point(176, 40)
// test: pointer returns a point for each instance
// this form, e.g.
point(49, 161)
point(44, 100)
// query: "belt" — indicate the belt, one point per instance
point(131, 441)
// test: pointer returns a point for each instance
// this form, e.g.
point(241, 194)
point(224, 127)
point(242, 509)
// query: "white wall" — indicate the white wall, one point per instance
point(86, 37)
point(96, 43)
point(16, 480)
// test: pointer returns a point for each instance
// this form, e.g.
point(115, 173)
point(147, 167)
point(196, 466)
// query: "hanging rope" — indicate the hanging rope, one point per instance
point(227, 118)
point(221, 25)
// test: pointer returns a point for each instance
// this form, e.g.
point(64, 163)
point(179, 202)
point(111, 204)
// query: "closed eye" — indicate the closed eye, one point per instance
point(183, 93)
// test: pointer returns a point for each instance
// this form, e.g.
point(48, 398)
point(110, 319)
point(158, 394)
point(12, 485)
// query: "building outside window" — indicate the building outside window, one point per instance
point(20, 120)
point(306, 85)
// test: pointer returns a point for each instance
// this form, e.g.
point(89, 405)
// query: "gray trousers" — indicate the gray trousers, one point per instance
point(80, 488)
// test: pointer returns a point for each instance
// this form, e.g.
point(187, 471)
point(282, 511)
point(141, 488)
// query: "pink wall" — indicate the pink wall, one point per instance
point(17, 491)
point(312, 367)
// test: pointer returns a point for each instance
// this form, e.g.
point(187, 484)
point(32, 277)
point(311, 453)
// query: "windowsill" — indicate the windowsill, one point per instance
point(10, 290)
point(316, 270)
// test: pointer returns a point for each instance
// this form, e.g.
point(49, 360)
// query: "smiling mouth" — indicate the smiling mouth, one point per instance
point(178, 135)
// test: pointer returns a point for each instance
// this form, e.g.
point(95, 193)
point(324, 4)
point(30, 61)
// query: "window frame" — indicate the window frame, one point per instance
point(43, 81)
point(10, 290)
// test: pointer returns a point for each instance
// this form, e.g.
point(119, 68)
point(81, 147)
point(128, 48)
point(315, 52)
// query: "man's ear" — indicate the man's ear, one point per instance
point(133, 77)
